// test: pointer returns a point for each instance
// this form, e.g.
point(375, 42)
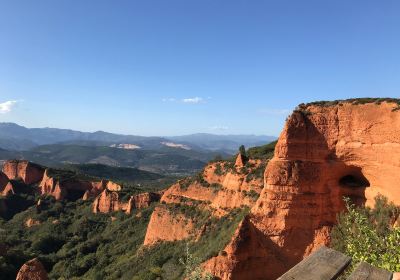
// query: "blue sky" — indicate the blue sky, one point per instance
point(177, 67)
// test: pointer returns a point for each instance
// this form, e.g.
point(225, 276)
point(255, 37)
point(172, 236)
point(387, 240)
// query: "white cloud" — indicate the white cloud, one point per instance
point(193, 100)
point(7, 106)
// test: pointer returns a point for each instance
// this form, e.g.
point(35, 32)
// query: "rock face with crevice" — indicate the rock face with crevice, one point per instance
point(110, 201)
point(73, 189)
point(28, 172)
point(323, 154)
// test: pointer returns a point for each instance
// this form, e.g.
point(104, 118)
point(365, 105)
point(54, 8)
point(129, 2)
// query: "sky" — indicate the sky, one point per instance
point(174, 67)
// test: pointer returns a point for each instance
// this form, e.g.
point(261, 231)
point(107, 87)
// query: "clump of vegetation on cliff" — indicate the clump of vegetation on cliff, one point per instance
point(355, 101)
point(262, 152)
point(370, 235)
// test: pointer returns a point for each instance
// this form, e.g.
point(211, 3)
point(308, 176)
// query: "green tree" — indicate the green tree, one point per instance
point(242, 151)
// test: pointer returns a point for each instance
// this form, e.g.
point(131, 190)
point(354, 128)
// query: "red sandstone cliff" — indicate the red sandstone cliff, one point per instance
point(323, 154)
point(167, 226)
point(32, 270)
point(29, 172)
point(74, 188)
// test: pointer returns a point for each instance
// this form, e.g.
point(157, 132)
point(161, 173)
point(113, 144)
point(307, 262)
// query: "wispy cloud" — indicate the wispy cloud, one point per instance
point(274, 111)
point(193, 100)
point(7, 106)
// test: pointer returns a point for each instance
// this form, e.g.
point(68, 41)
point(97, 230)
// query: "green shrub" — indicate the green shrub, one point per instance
point(366, 235)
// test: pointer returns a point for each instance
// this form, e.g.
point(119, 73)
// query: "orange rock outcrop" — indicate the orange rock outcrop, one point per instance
point(32, 270)
point(323, 154)
point(74, 188)
point(29, 172)
point(167, 226)
point(109, 201)
point(221, 187)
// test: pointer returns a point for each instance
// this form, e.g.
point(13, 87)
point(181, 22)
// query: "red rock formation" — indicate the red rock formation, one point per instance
point(167, 226)
point(109, 201)
point(51, 186)
point(6, 187)
point(323, 154)
point(29, 172)
point(106, 202)
point(141, 201)
point(86, 195)
point(32, 270)
point(111, 186)
point(240, 161)
point(224, 187)
point(31, 223)
point(73, 188)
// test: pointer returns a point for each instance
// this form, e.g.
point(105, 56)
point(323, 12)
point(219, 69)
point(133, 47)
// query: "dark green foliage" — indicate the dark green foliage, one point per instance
point(253, 194)
point(218, 169)
point(242, 151)
point(262, 152)
point(216, 187)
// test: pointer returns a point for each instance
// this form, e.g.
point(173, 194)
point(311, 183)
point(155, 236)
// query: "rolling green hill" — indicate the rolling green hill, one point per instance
point(165, 160)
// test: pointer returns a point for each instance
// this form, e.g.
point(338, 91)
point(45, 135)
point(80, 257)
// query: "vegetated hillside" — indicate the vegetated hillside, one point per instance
point(74, 243)
point(114, 173)
point(166, 160)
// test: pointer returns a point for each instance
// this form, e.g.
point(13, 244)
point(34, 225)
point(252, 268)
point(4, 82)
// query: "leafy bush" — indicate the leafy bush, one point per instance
point(367, 234)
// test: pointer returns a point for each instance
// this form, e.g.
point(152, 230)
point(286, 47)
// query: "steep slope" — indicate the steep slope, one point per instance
point(221, 187)
point(326, 151)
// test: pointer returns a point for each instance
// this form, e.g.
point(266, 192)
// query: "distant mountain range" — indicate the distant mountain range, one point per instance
point(18, 138)
point(180, 155)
